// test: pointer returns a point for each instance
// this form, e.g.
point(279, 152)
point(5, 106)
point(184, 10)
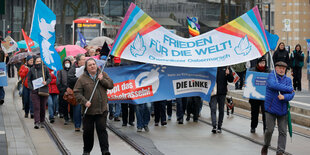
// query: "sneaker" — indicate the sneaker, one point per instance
point(219, 130)
point(31, 116)
point(131, 124)
point(213, 130)
point(124, 124)
point(139, 130)
point(66, 122)
point(180, 121)
point(77, 130)
point(26, 115)
point(146, 128)
point(163, 123)
point(253, 130)
point(156, 124)
point(188, 118)
point(61, 115)
point(36, 125)
point(264, 150)
point(42, 125)
point(116, 119)
point(195, 120)
point(52, 120)
point(169, 118)
point(111, 116)
point(1, 102)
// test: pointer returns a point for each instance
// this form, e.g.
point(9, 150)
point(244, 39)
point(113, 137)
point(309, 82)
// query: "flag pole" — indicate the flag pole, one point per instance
point(97, 81)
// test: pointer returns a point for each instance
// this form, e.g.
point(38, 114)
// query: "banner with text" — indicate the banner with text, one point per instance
point(255, 85)
point(148, 83)
point(142, 39)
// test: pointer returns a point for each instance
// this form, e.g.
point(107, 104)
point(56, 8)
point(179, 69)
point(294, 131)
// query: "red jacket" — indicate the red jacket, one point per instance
point(23, 71)
point(52, 87)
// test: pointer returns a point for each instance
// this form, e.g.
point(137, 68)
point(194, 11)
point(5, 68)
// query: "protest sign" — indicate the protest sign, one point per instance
point(255, 85)
point(3, 77)
point(148, 83)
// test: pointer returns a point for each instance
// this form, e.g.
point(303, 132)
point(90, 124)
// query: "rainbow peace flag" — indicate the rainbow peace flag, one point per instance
point(193, 27)
point(249, 24)
point(142, 39)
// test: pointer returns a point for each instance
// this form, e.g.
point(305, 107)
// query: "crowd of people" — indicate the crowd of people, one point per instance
point(93, 113)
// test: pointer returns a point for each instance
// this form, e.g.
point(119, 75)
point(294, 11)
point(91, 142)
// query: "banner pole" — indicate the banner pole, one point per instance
point(97, 81)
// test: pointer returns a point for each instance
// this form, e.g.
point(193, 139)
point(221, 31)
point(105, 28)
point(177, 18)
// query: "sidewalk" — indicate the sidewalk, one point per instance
point(21, 137)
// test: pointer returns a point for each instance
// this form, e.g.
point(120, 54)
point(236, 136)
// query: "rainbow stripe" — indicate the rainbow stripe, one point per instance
point(249, 24)
point(135, 21)
point(193, 28)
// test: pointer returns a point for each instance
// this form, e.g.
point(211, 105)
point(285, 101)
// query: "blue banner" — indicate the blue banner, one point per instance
point(272, 39)
point(82, 39)
point(148, 83)
point(43, 32)
point(308, 59)
point(3, 77)
point(255, 85)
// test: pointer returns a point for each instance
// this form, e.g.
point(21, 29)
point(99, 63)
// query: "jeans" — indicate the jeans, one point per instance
point(143, 115)
point(160, 111)
point(27, 101)
point(193, 106)
point(220, 100)
point(282, 128)
point(2, 93)
point(77, 117)
point(52, 102)
point(181, 107)
point(117, 111)
point(89, 122)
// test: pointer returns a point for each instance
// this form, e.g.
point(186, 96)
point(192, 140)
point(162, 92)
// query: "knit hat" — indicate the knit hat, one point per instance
point(28, 57)
point(281, 63)
point(261, 59)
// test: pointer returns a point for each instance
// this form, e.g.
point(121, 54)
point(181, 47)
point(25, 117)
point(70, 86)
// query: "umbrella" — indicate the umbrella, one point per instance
point(289, 121)
point(71, 50)
point(23, 44)
point(19, 57)
point(99, 41)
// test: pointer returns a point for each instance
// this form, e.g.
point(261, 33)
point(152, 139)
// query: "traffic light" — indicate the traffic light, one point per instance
point(2, 7)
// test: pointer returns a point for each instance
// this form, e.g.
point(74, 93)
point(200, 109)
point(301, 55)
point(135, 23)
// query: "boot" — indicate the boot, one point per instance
point(264, 150)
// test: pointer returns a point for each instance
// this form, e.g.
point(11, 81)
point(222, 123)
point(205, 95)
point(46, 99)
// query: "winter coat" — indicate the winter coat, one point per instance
point(283, 85)
point(222, 80)
point(37, 73)
point(83, 90)
point(297, 59)
point(62, 78)
point(239, 67)
point(71, 76)
point(52, 87)
point(2, 56)
point(23, 71)
point(281, 55)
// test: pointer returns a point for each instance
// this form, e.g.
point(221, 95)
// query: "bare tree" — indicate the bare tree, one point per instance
point(25, 15)
point(75, 8)
point(62, 21)
point(89, 5)
point(222, 15)
point(98, 7)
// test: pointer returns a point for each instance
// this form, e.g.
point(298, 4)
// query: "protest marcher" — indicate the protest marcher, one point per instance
point(240, 69)
point(62, 85)
point(2, 59)
point(181, 107)
point(52, 100)
point(125, 114)
point(77, 117)
point(258, 104)
point(193, 106)
point(27, 102)
point(281, 54)
point(160, 112)
point(38, 96)
point(97, 108)
point(115, 108)
point(10, 67)
point(279, 92)
point(143, 116)
point(297, 62)
point(223, 76)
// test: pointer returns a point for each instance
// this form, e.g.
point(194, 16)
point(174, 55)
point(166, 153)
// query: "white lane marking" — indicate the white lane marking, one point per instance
point(2, 132)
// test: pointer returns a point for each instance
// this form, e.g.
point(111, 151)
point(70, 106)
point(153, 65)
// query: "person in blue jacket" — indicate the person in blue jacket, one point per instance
point(279, 92)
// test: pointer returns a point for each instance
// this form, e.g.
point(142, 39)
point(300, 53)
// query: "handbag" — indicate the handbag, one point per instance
point(69, 97)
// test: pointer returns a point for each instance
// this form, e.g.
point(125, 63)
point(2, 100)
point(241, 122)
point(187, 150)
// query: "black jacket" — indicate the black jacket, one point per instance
point(222, 80)
point(37, 73)
point(62, 78)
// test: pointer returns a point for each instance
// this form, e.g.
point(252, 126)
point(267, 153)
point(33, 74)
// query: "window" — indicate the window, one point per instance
point(266, 18)
point(272, 18)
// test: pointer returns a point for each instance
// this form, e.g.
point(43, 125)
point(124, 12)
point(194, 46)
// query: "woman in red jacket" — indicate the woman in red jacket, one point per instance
point(52, 100)
point(23, 71)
